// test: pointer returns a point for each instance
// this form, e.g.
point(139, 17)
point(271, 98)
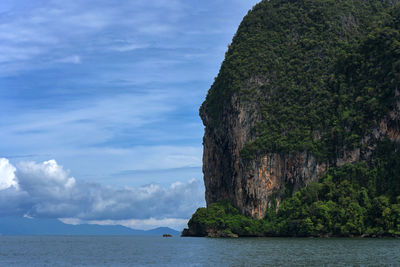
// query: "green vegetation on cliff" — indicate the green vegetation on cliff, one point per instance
point(328, 70)
point(355, 199)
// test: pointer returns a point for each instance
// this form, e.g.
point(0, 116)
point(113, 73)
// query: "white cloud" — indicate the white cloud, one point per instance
point(72, 221)
point(27, 216)
point(128, 47)
point(7, 175)
point(44, 179)
point(71, 59)
point(47, 190)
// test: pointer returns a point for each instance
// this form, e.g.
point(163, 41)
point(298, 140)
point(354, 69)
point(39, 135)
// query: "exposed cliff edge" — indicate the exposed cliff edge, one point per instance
point(307, 89)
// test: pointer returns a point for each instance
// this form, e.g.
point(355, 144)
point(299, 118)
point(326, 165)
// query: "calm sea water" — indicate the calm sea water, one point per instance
point(176, 251)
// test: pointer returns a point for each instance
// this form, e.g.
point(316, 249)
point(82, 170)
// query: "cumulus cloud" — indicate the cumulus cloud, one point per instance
point(47, 190)
point(45, 179)
point(7, 175)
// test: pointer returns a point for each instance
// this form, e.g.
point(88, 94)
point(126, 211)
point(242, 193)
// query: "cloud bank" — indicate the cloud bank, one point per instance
point(46, 190)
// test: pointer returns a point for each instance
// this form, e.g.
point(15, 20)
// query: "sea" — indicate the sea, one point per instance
point(189, 251)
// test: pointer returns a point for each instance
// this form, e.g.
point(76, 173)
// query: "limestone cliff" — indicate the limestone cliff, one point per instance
point(291, 96)
point(252, 186)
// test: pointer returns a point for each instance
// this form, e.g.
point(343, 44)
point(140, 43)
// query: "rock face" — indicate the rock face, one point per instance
point(250, 185)
point(253, 185)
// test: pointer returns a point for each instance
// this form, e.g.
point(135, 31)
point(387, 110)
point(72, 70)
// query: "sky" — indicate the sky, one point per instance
point(99, 105)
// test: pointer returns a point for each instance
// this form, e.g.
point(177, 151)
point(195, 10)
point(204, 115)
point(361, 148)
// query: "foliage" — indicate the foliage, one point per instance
point(328, 70)
point(223, 217)
point(356, 199)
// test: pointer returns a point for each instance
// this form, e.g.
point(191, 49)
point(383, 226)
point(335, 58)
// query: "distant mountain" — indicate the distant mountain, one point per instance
point(25, 226)
point(161, 231)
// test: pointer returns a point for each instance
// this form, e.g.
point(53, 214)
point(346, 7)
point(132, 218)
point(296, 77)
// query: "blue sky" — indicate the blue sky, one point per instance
point(107, 93)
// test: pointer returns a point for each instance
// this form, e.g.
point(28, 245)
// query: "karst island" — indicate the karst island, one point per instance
point(302, 123)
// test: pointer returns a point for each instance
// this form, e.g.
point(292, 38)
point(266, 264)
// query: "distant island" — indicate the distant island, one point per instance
point(302, 123)
point(25, 226)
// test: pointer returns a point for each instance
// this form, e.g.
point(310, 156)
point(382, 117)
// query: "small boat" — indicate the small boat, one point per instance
point(167, 235)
